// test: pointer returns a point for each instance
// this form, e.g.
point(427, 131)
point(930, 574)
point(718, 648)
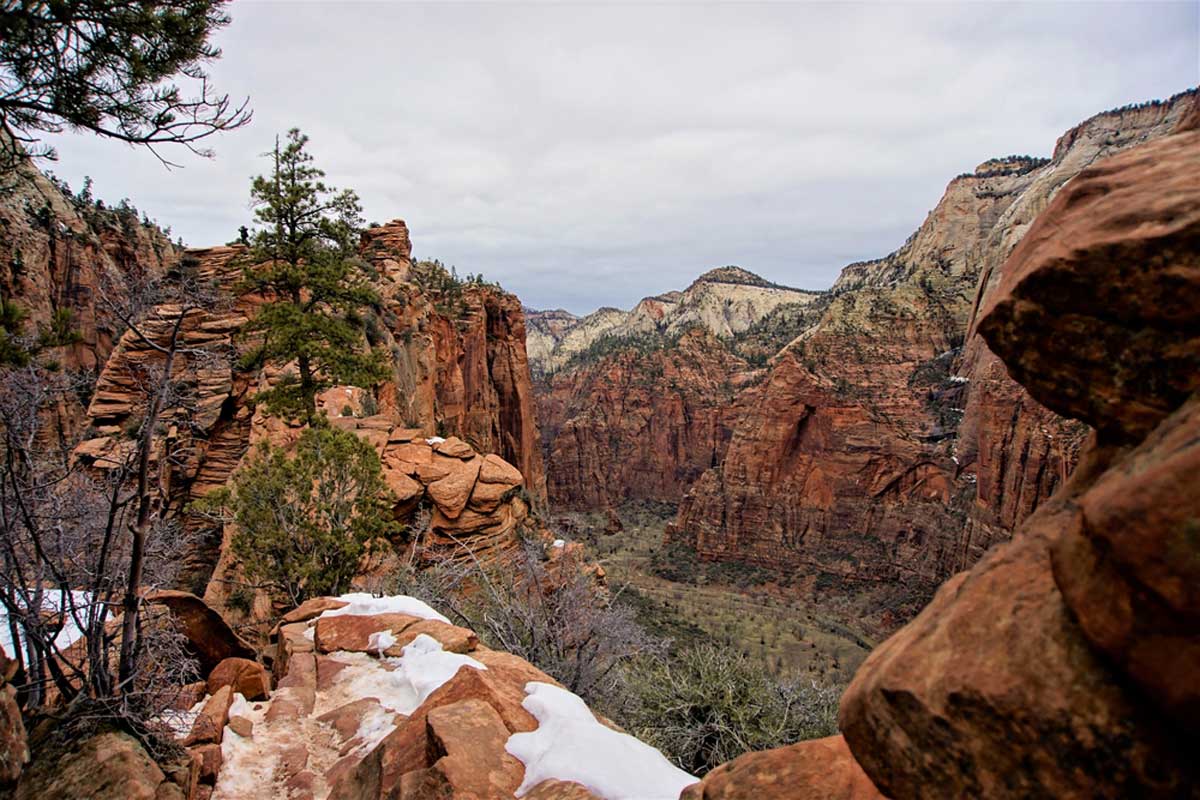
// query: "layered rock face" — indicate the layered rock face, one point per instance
point(458, 369)
point(887, 447)
point(639, 426)
point(637, 405)
point(1063, 664)
point(62, 254)
point(723, 301)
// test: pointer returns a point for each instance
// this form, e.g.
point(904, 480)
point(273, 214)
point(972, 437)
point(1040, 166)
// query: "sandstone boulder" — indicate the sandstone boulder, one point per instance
point(207, 632)
point(352, 632)
point(309, 609)
point(109, 766)
point(452, 492)
point(1129, 566)
point(1099, 306)
point(209, 726)
point(247, 678)
point(820, 769)
point(452, 638)
point(454, 447)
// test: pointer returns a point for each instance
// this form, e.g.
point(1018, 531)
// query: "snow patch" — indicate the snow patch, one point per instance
point(412, 677)
point(570, 745)
point(52, 600)
point(363, 604)
point(432, 440)
point(378, 642)
point(559, 543)
point(959, 379)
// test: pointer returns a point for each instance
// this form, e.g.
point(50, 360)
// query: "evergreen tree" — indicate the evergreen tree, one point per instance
point(303, 521)
point(303, 260)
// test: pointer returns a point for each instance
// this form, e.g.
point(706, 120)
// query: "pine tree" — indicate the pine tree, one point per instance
point(303, 261)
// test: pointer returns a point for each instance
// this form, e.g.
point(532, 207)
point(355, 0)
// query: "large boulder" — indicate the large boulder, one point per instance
point(108, 766)
point(209, 635)
point(1063, 664)
point(1098, 312)
point(820, 769)
point(1129, 566)
point(248, 678)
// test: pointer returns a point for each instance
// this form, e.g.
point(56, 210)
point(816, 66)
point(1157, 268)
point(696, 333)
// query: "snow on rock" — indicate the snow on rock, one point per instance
point(401, 684)
point(570, 745)
point(432, 440)
point(363, 604)
point(378, 642)
point(559, 543)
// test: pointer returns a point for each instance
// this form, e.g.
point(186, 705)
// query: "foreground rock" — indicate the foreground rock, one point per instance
point(383, 698)
point(1064, 663)
point(108, 766)
point(821, 769)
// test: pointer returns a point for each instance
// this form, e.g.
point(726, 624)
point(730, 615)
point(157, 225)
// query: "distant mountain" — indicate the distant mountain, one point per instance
point(725, 302)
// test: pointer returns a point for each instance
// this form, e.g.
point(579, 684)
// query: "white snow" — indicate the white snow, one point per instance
point(570, 745)
point(420, 672)
point(959, 379)
point(378, 642)
point(51, 601)
point(559, 543)
point(363, 604)
point(432, 440)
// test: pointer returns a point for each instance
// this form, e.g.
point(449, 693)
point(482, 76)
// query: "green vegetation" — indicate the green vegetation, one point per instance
point(709, 705)
point(106, 67)
point(303, 260)
point(303, 520)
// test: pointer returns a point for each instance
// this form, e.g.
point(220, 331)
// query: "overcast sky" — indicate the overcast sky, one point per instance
point(589, 155)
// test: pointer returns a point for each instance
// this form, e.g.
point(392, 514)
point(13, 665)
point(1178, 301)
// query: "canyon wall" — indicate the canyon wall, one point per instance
point(887, 448)
point(458, 369)
point(63, 253)
point(638, 404)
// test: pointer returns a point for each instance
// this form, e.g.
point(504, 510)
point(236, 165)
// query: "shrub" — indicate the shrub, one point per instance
point(303, 520)
point(711, 704)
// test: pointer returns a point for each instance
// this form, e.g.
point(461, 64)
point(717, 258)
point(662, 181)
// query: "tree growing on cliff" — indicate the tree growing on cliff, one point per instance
point(303, 261)
point(107, 67)
point(304, 518)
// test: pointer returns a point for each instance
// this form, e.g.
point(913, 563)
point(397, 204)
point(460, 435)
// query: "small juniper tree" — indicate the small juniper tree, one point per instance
point(304, 519)
point(303, 260)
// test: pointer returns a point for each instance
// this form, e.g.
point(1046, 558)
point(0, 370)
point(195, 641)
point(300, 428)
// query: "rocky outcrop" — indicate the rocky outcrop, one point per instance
point(639, 425)
point(107, 766)
point(1062, 664)
point(380, 697)
point(60, 254)
point(465, 505)
point(636, 405)
point(459, 369)
point(887, 449)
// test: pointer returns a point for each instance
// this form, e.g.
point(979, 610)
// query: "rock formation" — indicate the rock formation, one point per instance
point(458, 369)
point(886, 448)
point(1064, 662)
point(63, 253)
point(636, 405)
point(381, 697)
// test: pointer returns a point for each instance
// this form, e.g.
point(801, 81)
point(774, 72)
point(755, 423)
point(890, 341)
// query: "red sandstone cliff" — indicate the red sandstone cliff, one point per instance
point(878, 457)
point(458, 369)
point(58, 252)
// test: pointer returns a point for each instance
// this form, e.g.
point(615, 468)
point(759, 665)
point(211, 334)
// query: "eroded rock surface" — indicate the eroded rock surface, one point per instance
point(1060, 664)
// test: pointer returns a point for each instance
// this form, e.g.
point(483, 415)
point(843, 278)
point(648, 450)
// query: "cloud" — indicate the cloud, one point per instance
point(589, 155)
